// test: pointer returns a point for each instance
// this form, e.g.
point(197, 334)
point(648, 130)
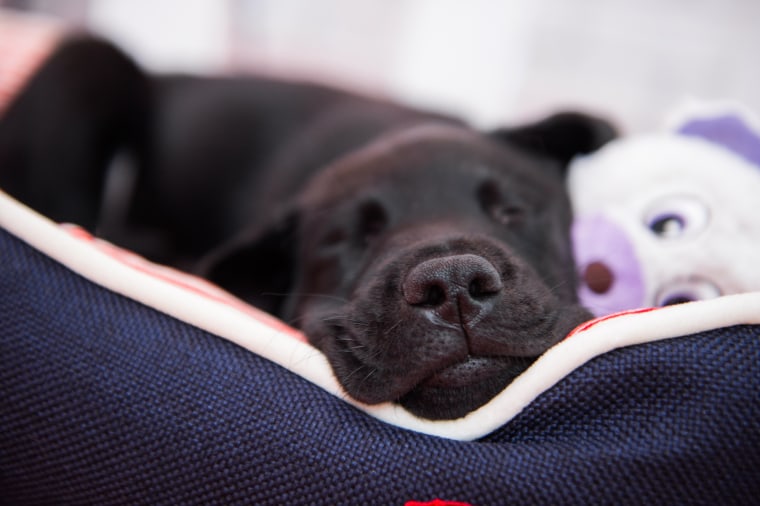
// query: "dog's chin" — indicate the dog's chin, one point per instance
point(461, 388)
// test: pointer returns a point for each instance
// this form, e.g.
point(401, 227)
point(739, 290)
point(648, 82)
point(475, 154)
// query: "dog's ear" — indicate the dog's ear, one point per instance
point(257, 266)
point(561, 136)
point(87, 101)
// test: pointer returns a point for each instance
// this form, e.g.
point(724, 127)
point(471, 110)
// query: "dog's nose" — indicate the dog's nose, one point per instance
point(457, 288)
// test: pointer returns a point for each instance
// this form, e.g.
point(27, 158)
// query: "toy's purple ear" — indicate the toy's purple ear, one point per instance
point(730, 131)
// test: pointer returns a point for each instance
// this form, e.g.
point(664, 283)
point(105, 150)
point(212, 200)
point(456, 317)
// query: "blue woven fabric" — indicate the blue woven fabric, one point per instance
point(106, 401)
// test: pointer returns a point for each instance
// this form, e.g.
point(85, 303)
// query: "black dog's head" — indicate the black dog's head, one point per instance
point(432, 266)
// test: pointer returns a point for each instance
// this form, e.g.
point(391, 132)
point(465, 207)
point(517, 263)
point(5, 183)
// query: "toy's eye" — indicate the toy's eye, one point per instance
point(494, 205)
point(677, 216)
point(687, 290)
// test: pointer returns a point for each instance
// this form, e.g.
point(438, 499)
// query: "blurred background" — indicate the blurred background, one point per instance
point(492, 62)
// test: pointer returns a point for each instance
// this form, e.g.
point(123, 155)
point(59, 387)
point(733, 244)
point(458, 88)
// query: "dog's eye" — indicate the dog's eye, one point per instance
point(494, 205)
point(333, 237)
point(372, 221)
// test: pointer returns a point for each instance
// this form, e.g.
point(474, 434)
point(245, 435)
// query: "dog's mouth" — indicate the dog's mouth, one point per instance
point(442, 383)
point(470, 371)
point(456, 390)
point(450, 391)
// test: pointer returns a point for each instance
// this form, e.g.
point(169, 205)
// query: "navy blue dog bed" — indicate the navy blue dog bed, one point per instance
point(107, 400)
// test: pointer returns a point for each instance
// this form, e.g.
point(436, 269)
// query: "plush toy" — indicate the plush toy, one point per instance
point(672, 216)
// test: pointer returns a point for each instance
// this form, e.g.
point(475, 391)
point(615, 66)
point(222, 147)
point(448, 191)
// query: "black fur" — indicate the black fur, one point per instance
point(431, 263)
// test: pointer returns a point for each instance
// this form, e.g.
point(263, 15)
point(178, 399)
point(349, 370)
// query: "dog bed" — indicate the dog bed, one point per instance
point(124, 382)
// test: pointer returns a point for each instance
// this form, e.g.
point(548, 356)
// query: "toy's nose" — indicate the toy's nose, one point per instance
point(610, 274)
point(598, 277)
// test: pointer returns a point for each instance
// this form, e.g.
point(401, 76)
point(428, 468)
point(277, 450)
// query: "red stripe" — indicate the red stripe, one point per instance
point(591, 323)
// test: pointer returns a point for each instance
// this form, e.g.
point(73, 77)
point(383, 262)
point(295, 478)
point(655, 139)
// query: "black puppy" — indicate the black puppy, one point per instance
point(429, 262)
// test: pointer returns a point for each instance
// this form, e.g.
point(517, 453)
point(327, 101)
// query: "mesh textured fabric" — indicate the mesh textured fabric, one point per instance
point(106, 401)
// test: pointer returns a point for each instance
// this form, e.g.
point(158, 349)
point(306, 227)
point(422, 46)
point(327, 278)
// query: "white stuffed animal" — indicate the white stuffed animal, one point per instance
point(670, 217)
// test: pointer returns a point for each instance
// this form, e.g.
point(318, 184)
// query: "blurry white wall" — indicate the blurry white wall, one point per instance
point(491, 61)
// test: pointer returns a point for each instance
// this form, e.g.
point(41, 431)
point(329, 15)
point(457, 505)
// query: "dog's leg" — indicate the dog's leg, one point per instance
point(57, 138)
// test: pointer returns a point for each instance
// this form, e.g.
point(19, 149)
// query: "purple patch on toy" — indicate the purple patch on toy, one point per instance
point(728, 131)
point(609, 271)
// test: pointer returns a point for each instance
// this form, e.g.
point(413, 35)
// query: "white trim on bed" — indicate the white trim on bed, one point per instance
point(198, 303)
